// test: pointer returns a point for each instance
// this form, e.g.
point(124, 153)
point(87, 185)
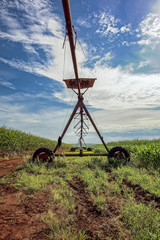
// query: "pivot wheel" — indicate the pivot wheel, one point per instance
point(43, 155)
point(119, 153)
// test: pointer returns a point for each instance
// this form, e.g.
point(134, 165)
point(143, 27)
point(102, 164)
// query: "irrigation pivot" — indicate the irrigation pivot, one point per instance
point(78, 84)
point(80, 110)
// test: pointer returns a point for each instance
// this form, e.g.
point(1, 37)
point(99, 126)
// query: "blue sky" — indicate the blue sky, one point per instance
point(121, 40)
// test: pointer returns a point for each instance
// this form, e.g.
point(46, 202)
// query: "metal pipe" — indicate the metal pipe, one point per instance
point(79, 155)
point(67, 14)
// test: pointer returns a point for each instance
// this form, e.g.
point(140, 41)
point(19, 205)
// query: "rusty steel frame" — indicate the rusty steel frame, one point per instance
point(80, 104)
point(81, 154)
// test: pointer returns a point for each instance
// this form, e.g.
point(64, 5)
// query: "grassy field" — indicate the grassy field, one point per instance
point(15, 142)
point(144, 153)
point(90, 197)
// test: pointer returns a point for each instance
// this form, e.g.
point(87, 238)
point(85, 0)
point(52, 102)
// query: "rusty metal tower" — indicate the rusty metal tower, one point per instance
point(80, 111)
point(77, 84)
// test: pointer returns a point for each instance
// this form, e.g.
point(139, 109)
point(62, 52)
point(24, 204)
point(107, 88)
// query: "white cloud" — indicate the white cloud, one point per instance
point(144, 64)
point(111, 29)
point(156, 7)
point(47, 123)
point(7, 84)
point(104, 60)
point(109, 25)
point(146, 42)
point(105, 19)
point(126, 28)
point(36, 24)
point(149, 30)
point(128, 119)
point(44, 29)
point(129, 68)
point(125, 43)
point(55, 27)
point(83, 22)
point(150, 26)
point(19, 64)
point(30, 49)
point(116, 89)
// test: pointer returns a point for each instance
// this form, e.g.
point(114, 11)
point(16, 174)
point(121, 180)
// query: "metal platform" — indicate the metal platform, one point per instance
point(84, 83)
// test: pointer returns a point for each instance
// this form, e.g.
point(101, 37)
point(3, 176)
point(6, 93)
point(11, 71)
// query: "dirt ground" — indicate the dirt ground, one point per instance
point(8, 166)
point(20, 214)
point(99, 224)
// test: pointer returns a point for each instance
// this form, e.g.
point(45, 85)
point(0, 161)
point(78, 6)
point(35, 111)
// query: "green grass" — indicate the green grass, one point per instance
point(60, 228)
point(62, 195)
point(142, 220)
point(149, 156)
point(96, 181)
point(149, 182)
point(35, 177)
point(61, 199)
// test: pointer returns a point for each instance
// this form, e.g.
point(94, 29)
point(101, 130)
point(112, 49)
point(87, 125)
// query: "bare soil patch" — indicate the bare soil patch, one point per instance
point(8, 166)
point(20, 214)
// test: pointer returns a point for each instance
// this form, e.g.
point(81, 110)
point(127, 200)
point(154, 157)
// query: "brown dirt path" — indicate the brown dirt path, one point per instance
point(20, 215)
point(8, 166)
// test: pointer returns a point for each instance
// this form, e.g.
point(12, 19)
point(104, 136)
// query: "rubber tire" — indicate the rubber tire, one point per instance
point(119, 149)
point(44, 150)
point(89, 149)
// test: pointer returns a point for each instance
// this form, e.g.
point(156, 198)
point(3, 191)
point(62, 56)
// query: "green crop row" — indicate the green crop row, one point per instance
point(17, 142)
point(146, 156)
point(144, 153)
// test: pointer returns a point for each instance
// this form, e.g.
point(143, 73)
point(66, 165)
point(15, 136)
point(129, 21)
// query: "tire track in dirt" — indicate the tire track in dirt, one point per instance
point(20, 215)
point(143, 195)
point(98, 225)
point(140, 194)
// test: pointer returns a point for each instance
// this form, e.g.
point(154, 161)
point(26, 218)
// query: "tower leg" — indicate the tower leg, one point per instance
point(68, 123)
point(94, 125)
point(82, 106)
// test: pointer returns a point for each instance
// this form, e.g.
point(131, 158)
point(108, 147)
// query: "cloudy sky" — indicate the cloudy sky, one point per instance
point(121, 42)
